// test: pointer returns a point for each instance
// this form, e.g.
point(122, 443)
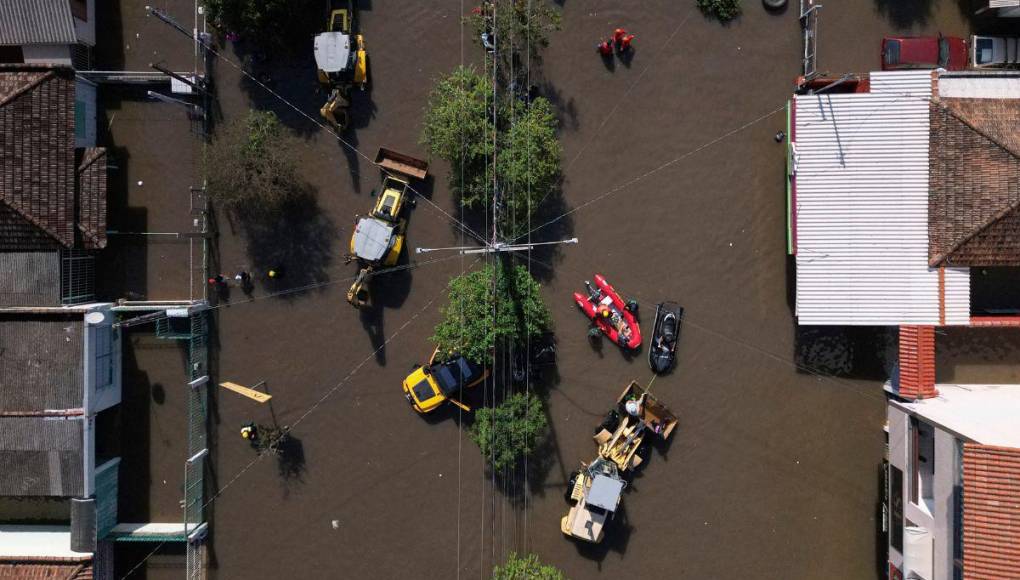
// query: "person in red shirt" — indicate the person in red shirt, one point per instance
point(623, 44)
point(618, 34)
point(605, 47)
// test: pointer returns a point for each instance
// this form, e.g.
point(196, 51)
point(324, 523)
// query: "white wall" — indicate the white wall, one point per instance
point(938, 521)
point(47, 53)
point(102, 351)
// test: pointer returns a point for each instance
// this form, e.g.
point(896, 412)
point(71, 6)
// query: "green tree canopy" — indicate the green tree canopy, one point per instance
point(510, 431)
point(520, 29)
point(251, 165)
point(490, 305)
point(460, 127)
point(526, 568)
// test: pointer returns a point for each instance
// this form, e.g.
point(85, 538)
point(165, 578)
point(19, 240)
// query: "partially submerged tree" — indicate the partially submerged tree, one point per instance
point(268, 23)
point(526, 568)
point(723, 10)
point(517, 30)
point(463, 127)
point(251, 166)
point(490, 306)
point(509, 431)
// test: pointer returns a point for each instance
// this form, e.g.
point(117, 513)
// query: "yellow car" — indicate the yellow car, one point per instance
point(429, 386)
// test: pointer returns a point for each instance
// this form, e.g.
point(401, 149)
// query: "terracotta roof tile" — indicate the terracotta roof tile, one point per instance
point(991, 512)
point(37, 177)
point(39, 569)
point(974, 183)
point(917, 362)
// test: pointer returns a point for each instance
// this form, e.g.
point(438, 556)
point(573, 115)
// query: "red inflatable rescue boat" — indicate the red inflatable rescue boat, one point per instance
point(610, 313)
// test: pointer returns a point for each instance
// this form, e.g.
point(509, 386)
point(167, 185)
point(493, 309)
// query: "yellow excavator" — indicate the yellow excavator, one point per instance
point(378, 237)
point(341, 60)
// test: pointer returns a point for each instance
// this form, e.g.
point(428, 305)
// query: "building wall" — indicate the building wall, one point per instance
point(47, 53)
point(939, 520)
point(86, 31)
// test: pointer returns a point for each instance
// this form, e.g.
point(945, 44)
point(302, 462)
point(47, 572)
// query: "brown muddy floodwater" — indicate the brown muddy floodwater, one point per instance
point(774, 470)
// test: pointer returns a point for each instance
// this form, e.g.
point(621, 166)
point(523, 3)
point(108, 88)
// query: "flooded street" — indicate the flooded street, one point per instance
point(675, 188)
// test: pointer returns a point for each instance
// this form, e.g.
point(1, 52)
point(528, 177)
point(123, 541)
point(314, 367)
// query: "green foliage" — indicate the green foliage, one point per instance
point(723, 10)
point(529, 159)
point(508, 432)
point(270, 23)
point(526, 568)
point(459, 128)
point(491, 305)
point(251, 165)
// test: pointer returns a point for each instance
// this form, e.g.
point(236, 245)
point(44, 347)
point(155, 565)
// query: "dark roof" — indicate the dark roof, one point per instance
point(991, 512)
point(46, 199)
point(974, 183)
point(42, 456)
point(41, 362)
point(36, 22)
point(37, 156)
point(45, 569)
point(30, 279)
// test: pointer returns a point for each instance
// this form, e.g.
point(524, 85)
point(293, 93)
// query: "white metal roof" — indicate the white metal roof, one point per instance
point(332, 51)
point(372, 238)
point(23, 541)
point(861, 178)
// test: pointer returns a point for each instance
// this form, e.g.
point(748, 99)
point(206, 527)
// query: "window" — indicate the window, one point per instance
point(80, 9)
point(11, 55)
point(104, 357)
point(922, 464)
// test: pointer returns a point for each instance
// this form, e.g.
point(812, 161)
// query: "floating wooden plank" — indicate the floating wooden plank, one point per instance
point(245, 391)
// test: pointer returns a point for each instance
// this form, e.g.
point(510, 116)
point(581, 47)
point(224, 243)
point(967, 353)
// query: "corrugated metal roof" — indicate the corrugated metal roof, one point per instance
point(30, 279)
point(41, 362)
point(861, 177)
point(41, 456)
point(991, 512)
point(36, 22)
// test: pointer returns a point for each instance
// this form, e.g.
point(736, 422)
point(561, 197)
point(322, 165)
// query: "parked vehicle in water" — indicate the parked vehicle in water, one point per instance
point(665, 336)
point(921, 52)
point(610, 314)
point(429, 386)
point(994, 51)
point(623, 440)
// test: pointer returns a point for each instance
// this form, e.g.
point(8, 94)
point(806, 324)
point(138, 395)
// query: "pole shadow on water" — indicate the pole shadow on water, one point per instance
point(905, 14)
point(565, 107)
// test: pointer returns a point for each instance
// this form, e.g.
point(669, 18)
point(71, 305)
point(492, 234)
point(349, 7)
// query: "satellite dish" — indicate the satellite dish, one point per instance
point(95, 318)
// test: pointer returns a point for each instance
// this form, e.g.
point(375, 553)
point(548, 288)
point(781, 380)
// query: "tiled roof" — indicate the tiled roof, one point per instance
point(917, 362)
point(36, 22)
point(37, 171)
point(974, 183)
point(52, 568)
point(29, 279)
point(991, 512)
point(92, 198)
point(41, 362)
